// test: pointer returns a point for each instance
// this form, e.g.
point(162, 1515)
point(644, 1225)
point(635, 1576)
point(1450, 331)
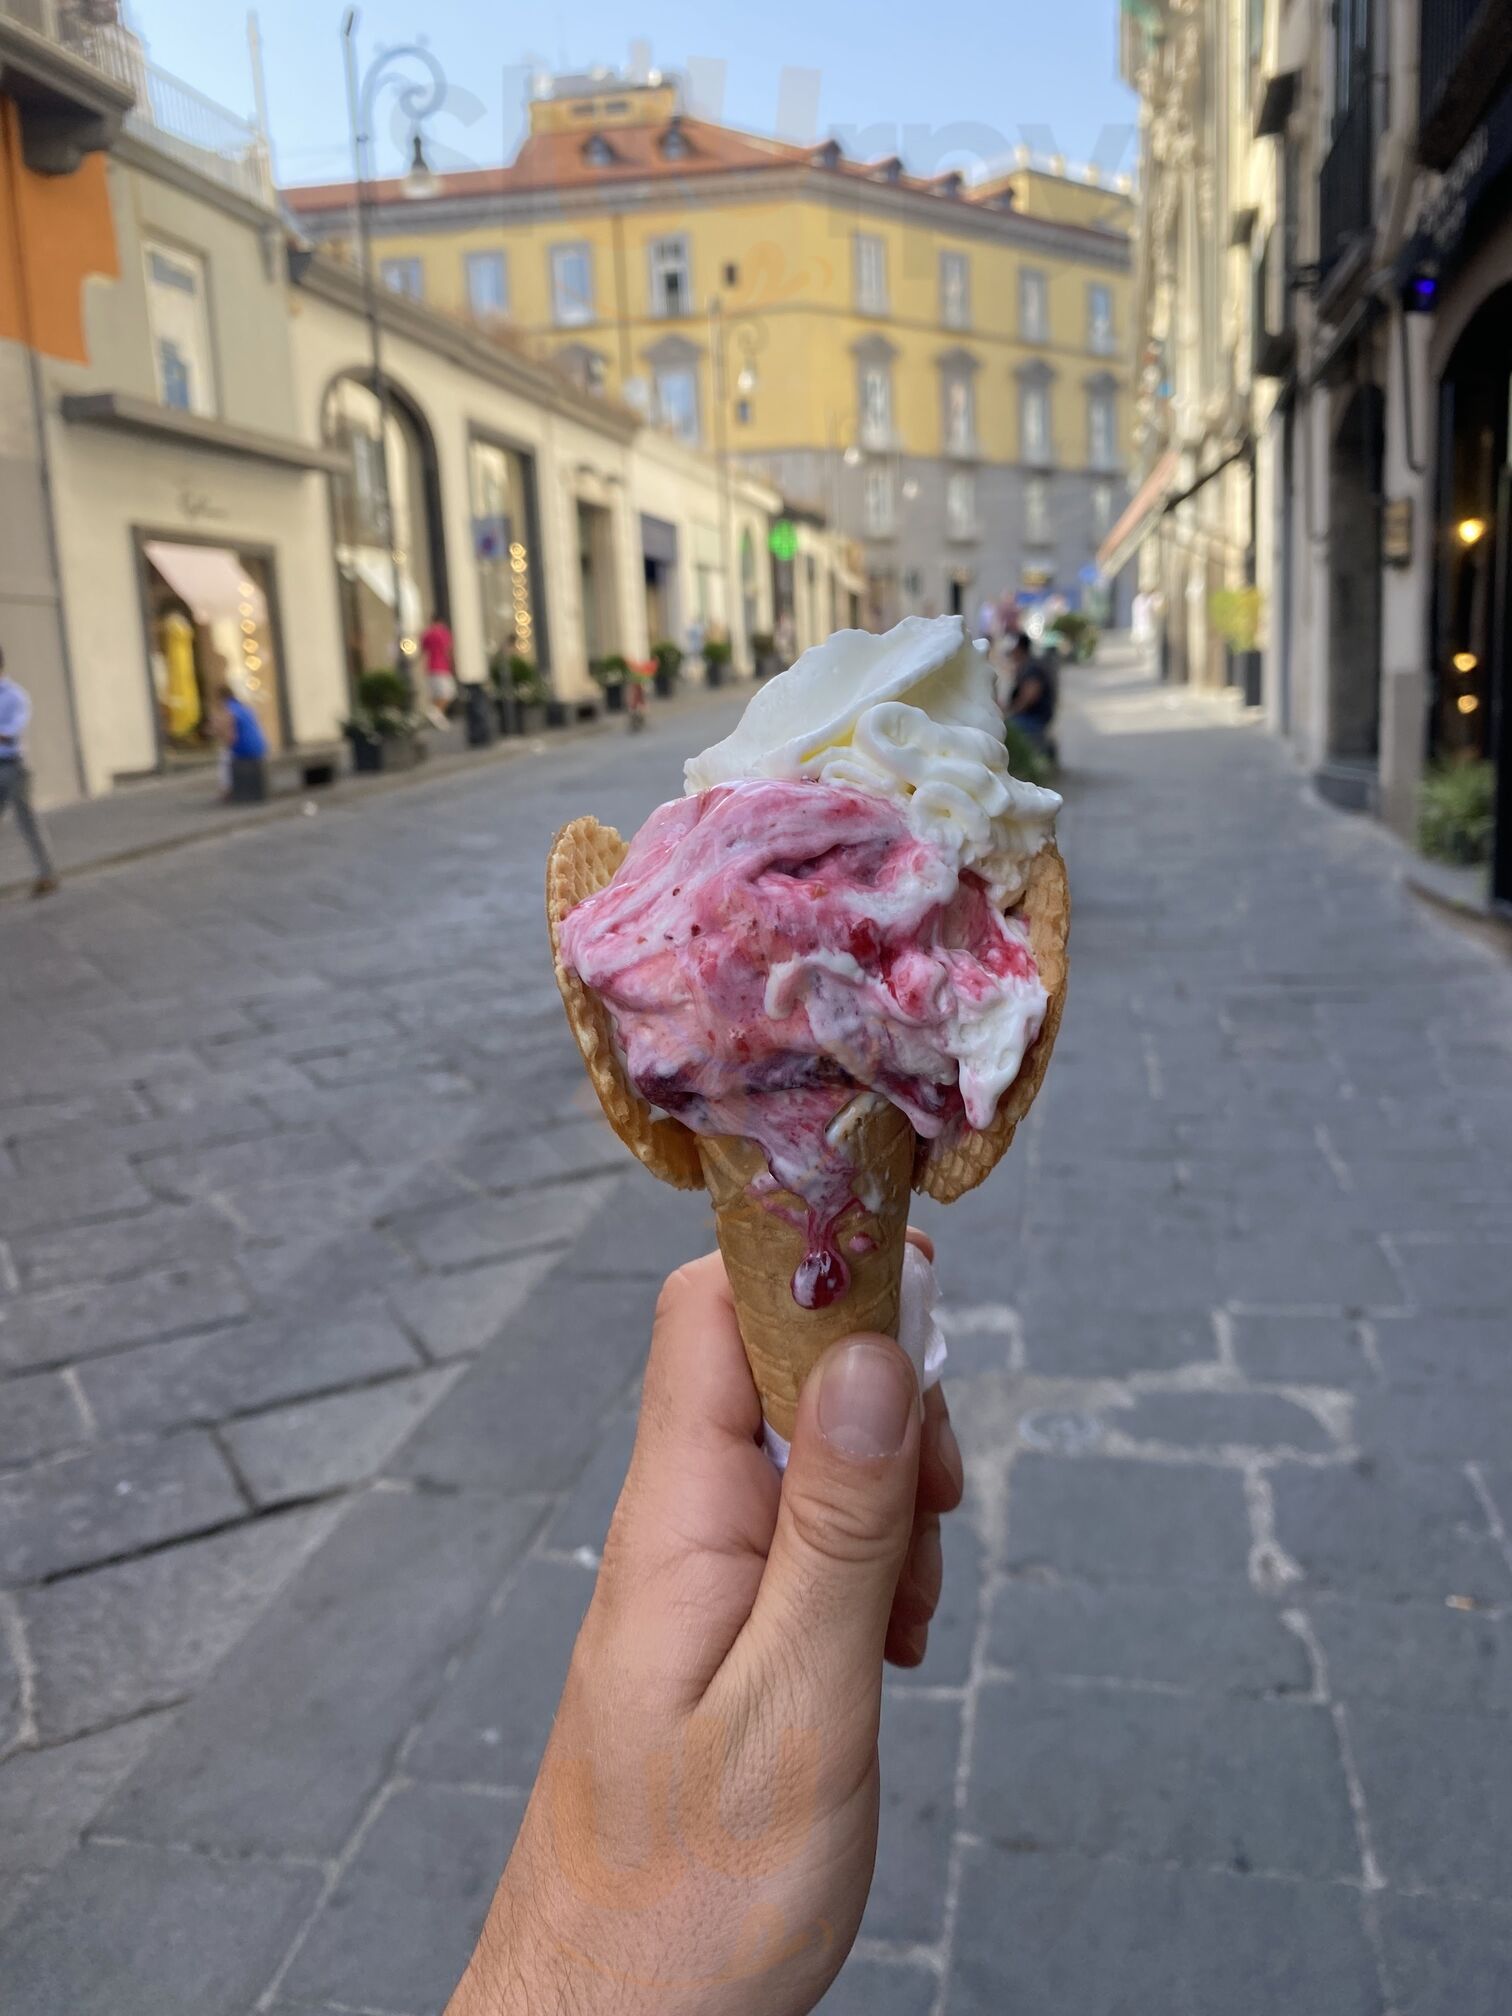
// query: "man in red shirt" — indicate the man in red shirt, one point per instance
point(440, 670)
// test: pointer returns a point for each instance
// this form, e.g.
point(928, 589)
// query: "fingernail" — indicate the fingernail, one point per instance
point(866, 1395)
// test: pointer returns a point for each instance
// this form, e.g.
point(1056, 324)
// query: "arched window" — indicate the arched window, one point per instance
point(386, 513)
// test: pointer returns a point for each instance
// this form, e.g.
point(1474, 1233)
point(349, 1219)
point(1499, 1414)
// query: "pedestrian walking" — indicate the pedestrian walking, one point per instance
point(15, 777)
point(438, 651)
point(239, 733)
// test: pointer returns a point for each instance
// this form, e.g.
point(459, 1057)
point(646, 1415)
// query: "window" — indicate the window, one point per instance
point(960, 504)
point(571, 284)
point(1100, 320)
point(598, 152)
point(1102, 430)
point(960, 415)
point(176, 305)
point(1035, 426)
point(878, 502)
point(1102, 511)
point(677, 400)
point(1034, 306)
point(487, 285)
point(671, 286)
point(955, 290)
point(403, 276)
point(871, 274)
point(1037, 511)
point(876, 405)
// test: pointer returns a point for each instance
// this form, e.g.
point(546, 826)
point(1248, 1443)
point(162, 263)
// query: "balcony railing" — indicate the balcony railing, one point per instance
point(1465, 52)
point(1347, 185)
point(168, 115)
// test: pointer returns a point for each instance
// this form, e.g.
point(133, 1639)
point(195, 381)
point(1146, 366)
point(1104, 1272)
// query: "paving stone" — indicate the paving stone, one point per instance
point(302, 1151)
point(1143, 1270)
point(12, 1695)
point(122, 1932)
point(1470, 1276)
point(37, 1416)
point(1446, 1955)
point(330, 1444)
point(881, 1988)
point(461, 1234)
point(1127, 1520)
point(1300, 1350)
point(77, 1323)
point(920, 1743)
point(260, 1767)
point(1415, 1655)
point(142, 1634)
point(526, 1417)
point(1382, 1530)
point(48, 1797)
point(104, 1188)
point(1095, 1344)
point(1201, 1780)
point(224, 1372)
point(1437, 1424)
point(1045, 1935)
point(583, 1518)
point(490, 1724)
point(1445, 1350)
point(109, 1501)
point(457, 1315)
point(1438, 1789)
point(404, 1917)
point(1344, 1271)
point(1150, 1634)
point(645, 1231)
point(172, 1237)
point(520, 1159)
point(1220, 1421)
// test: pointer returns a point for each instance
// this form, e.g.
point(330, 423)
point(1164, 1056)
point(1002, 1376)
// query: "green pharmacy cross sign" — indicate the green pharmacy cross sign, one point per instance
point(783, 539)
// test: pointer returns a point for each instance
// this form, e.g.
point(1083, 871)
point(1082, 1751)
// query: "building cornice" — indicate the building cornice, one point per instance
point(163, 166)
point(125, 413)
point(952, 216)
point(330, 281)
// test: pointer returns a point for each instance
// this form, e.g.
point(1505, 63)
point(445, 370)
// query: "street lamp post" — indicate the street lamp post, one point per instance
point(418, 99)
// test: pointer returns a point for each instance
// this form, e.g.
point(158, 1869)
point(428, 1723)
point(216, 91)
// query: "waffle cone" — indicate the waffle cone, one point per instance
point(762, 1248)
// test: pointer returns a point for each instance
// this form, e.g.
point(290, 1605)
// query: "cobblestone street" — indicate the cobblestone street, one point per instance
point(323, 1296)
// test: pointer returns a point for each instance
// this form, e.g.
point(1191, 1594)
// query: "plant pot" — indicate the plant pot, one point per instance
point(714, 671)
point(665, 682)
point(531, 715)
point(768, 664)
point(1247, 666)
point(556, 714)
point(478, 712)
point(401, 752)
point(367, 755)
point(614, 697)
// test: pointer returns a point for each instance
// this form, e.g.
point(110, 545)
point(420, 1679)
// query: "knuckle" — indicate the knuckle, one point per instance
point(837, 1523)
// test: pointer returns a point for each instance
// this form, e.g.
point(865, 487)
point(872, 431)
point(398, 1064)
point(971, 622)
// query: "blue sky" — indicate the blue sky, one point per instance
point(943, 87)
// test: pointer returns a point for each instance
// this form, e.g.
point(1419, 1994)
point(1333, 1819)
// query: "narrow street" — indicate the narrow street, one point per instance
point(323, 1295)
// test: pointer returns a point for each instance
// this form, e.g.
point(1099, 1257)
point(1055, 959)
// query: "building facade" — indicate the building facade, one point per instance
point(938, 367)
point(1324, 349)
point(200, 485)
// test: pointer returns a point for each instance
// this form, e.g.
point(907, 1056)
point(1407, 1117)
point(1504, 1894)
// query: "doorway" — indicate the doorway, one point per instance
point(212, 621)
point(1354, 570)
point(596, 575)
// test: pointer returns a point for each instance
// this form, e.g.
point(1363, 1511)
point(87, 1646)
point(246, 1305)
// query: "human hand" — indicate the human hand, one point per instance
point(703, 1827)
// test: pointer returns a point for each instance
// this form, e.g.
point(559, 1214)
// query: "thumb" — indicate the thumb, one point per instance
point(846, 1516)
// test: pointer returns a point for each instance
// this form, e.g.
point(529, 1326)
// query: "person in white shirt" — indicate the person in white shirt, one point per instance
point(15, 778)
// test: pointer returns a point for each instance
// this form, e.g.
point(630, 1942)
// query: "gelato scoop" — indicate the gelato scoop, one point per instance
point(836, 964)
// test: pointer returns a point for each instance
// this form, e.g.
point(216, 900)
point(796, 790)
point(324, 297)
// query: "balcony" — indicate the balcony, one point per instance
point(1347, 190)
point(1466, 53)
point(78, 77)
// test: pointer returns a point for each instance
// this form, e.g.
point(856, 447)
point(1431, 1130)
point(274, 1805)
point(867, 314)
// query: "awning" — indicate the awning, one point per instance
point(1141, 517)
point(658, 540)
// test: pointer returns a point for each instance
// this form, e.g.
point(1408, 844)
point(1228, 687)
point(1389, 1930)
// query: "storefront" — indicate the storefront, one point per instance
point(211, 614)
point(507, 551)
point(659, 557)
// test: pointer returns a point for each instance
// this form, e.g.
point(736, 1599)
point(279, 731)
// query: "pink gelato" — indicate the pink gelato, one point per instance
point(770, 949)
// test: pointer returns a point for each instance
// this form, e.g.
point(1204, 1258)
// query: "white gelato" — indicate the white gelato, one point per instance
point(909, 716)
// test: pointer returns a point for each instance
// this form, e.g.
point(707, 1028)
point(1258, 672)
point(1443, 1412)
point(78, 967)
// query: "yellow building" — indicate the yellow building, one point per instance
point(937, 365)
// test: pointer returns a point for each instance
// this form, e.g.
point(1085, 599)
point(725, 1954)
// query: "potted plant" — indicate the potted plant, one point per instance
point(1457, 812)
point(610, 675)
point(717, 657)
point(667, 658)
point(1235, 615)
point(383, 728)
point(1077, 634)
point(527, 689)
point(764, 652)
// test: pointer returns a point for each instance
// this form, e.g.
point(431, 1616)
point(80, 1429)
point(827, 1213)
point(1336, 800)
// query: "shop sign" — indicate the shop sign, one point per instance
point(1396, 532)
point(783, 539)
point(1479, 163)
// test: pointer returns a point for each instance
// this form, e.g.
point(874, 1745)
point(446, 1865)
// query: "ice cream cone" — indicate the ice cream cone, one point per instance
point(763, 1243)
